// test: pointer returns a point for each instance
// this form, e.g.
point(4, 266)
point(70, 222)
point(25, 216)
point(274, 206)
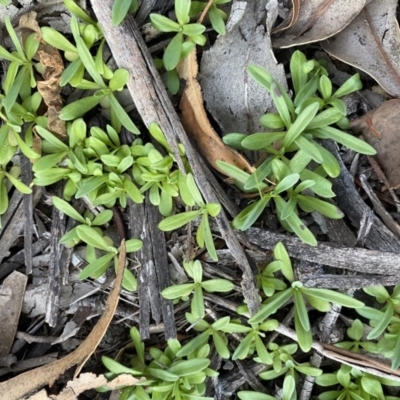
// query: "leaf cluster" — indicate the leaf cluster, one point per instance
point(286, 173)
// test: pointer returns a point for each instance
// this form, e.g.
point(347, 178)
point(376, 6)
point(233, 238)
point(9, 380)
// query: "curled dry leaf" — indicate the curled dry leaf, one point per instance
point(380, 128)
point(53, 65)
point(196, 123)
point(318, 20)
point(371, 43)
point(28, 382)
point(11, 298)
point(292, 18)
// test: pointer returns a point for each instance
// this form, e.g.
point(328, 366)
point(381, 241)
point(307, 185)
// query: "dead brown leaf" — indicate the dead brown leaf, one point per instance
point(293, 17)
point(371, 43)
point(90, 381)
point(53, 65)
point(319, 20)
point(11, 298)
point(380, 128)
point(24, 384)
point(196, 124)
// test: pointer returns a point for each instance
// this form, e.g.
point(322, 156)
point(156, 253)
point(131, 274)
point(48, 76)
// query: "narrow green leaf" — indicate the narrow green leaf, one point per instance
point(90, 184)
point(96, 268)
point(117, 368)
point(260, 141)
point(300, 124)
point(122, 115)
point(18, 184)
point(177, 291)
point(208, 239)
point(57, 40)
point(281, 254)
point(90, 236)
point(119, 11)
point(334, 297)
point(176, 221)
point(301, 309)
point(310, 204)
point(172, 53)
point(286, 183)
point(244, 347)
point(67, 209)
point(250, 214)
point(383, 322)
point(271, 306)
point(309, 148)
point(217, 285)
point(80, 107)
point(281, 105)
point(351, 85)
point(163, 24)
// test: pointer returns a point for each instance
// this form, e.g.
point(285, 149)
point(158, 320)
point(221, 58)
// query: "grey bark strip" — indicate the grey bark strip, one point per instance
point(153, 105)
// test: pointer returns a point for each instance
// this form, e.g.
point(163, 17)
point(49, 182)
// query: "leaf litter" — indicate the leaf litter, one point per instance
point(307, 24)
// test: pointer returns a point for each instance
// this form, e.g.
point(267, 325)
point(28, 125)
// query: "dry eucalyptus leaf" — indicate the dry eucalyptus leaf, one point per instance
point(380, 128)
point(319, 20)
point(234, 99)
point(53, 65)
point(28, 382)
point(11, 297)
point(292, 17)
point(195, 121)
point(371, 43)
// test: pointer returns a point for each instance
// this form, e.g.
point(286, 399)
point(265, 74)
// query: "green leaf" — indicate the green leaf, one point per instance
point(296, 224)
point(213, 209)
point(232, 171)
point(322, 187)
point(250, 395)
point(351, 85)
point(80, 107)
point(198, 308)
point(90, 184)
point(133, 191)
point(325, 87)
point(301, 122)
point(172, 53)
point(383, 322)
point(164, 24)
point(301, 309)
point(304, 337)
point(78, 12)
point(286, 183)
point(309, 148)
point(119, 79)
point(92, 237)
point(324, 118)
point(122, 115)
point(310, 204)
point(176, 221)
point(120, 10)
point(208, 239)
point(379, 292)
point(133, 245)
point(260, 141)
point(177, 291)
point(396, 355)
point(57, 40)
point(14, 37)
point(217, 285)
point(297, 70)
point(18, 184)
point(271, 306)
point(271, 121)
point(281, 254)
point(67, 209)
point(182, 8)
point(356, 330)
point(96, 268)
point(189, 367)
point(197, 342)
point(234, 140)
point(117, 368)
point(333, 297)
point(244, 347)
point(57, 144)
point(256, 178)
point(250, 214)
point(217, 21)
point(191, 184)
point(220, 345)
point(289, 387)
point(345, 139)
point(193, 29)
point(129, 281)
point(262, 352)
point(280, 104)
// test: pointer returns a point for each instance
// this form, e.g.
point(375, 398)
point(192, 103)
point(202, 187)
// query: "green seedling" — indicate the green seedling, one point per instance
point(193, 197)
point(167, 375)
point(355, 385)
point(290, 147)
point(98, 265)
point(195, 271)
point(121, 8)
point(178, 48)
point(217, 16)
point(284, 364)
point(320, 299)
point(356, 332)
